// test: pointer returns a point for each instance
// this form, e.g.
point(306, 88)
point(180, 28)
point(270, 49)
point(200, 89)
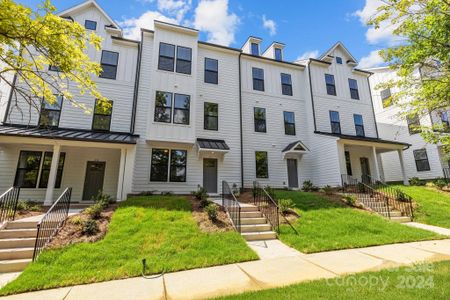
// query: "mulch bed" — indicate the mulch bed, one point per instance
point(26, 214)
point(222, 223)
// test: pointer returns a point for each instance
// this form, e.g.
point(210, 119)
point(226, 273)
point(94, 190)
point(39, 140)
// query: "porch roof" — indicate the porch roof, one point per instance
point(68, 134)
point(362, 138)
point(296, 146)
point(210, 144)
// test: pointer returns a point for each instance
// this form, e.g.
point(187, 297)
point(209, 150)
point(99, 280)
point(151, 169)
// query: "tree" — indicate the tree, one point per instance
point(422, 60)
point(32, 41)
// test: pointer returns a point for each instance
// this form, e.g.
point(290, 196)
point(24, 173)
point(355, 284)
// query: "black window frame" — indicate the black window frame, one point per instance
point(90, 22)
point(174, 165)
point(46, 169)
point(385, 98)
point(168, 166)
point(359, 128)
point(259, 121)
point(163, 107)
point(265, 161)
point(426, 166)
point(289, 125)
point(164, 163)
point(215, 73)
point(115, 66)
point(54, 68)
point(348, 163)
point(207, 115)
point(257, 49)
point(286, 87)
point(50, 110)
point(338, 123)
point(101, 115)
point(176, 109)
point(354, 92)
point(330, 87)
point(280, 51)
point(166, 57)
point(256, 80)
point(339, 60)
point(444, 118)
point(413, 124)
point(38, 155)
point(183, 60)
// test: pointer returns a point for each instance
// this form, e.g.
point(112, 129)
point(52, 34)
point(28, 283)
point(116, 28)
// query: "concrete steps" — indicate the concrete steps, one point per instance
point(381, 208)
point(254, 225)
point(13, 265)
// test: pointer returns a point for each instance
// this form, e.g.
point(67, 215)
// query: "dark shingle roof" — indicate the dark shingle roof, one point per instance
point(212, 144)
point(292, 145)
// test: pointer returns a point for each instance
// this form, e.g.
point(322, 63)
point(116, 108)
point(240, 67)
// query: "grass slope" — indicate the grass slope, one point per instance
point(433, 206)
point(326, 225)
point(429, 281)
point(160, 229)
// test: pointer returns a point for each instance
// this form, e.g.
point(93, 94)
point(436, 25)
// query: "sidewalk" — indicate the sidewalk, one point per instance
point(273, 270)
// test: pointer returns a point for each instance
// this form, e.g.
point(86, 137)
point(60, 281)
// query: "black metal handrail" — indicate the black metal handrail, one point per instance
point(349, 183)
point(52, 221)
point(374, 198)
point(231, 205)
point(266, 205)
point(8, 204)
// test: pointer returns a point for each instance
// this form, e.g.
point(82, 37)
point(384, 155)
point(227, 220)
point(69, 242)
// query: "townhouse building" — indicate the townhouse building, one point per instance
point(187, 113)
point(422, 160)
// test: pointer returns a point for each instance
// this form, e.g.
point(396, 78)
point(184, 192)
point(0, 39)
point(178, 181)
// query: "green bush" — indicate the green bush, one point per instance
point(211, 210)
point(94, 211)
point(167, 193)
point(350, 200)
point(416, 181)
point(90, 227)
point(23, 205)
point(103, 199)
point(200, 193)
point(308, 186)
point(328, 190)
point(76, 220)
point(440, 183)
point(204, 202)
point(285, 205)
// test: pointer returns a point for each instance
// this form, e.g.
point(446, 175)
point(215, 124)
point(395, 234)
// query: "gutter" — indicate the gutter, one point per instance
point(312, 97)
point(240, 123)
point(136, 84)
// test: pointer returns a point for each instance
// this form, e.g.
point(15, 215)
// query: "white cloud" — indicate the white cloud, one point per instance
point(372, 60)
point(309, 54)
point(177, 8)
point(132, 27)
point(270, 25)
point(213, 17)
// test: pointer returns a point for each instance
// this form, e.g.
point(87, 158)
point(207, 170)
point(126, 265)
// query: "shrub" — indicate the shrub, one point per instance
point(94, 211)
point(402, 197)
point(22, 205)
point(103, 199)
point(199, 193)
point(285, 205)
point(89, 227)
point(440, 183)
point(204, 202)
point(328, 190)
point(350, 200)
point(76, 220)
point(168, 193)
point(211, 210)
point(361, 187)
point(416, 181)
point(308, 186)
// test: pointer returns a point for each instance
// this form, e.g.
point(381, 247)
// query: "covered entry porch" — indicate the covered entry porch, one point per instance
point(43, 162)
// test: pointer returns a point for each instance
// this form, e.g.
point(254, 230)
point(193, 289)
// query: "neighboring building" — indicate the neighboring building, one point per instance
point(423, 160)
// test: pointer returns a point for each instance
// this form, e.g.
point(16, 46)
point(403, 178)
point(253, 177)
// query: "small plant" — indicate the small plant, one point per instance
point(199, 193)
point(308, 186)
point(416, 181)
point(90, 227)
point(285, 205)
point(440, 183)
point(204, 202)
point(270, 191)
point(361, 187)
point(402, 197)
point(103, 199)
point(328, 190)
point(168, 193)
point(94, 211)
point(350, 200)
point(22, 205)
point(76, 220)
point(211, 210)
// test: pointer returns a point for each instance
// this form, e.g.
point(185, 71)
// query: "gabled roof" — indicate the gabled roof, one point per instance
point(338, 44)
point(296, 146)
point(86, 4)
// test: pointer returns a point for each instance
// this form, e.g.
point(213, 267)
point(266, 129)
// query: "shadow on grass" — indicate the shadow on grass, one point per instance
point(170, 203)
point(305, 201)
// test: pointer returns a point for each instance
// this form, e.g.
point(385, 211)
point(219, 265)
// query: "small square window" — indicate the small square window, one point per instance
point(255, 49)
point(339, 60)
point(278, 54)
point(90, 25)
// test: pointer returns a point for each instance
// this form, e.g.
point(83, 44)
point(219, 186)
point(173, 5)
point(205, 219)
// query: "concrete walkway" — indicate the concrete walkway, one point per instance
point(273, 270)
point(437, 229)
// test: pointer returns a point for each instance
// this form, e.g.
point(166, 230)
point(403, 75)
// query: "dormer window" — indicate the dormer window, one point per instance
point(278, 54)
point(339, 60)
point(90, 25)
point(255, 49)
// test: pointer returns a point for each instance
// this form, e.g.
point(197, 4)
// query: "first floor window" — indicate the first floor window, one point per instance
point(413, 124)
point(211, 116)
point(289, 123)
point(421, 158)
point(45, 170)
point(359, 125)
point(260, 119)
point(163, 107)
point(262, 164)
point(335, 122)
point(102, 115)
point(109, 62)
point(51, 112)
point(348, 163)
point(167, 162)
point(181, 109)
point(28, 169)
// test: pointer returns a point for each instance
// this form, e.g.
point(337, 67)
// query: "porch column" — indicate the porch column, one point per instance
point(377, 167)
point(341, 154)
point(122, 163)
point(124, 188)
point(52, 175)
point(402, 166)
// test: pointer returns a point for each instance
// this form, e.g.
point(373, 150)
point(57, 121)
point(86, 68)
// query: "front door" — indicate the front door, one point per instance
point(292, 173)
point(365, 169)
point(93, 181)
point(210, 175)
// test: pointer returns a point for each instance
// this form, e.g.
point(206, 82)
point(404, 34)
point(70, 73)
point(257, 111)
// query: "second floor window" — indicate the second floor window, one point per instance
point(181, 109)
point(211, 116)
point(421, 158)
point(163, 107)
point(258, 79)
point(254, 49)
point(353, 85)
point(386, 97)
point(278, 54)
point(211, 70)
point(331, 87)
point(184, 60)
point(286, 84)
point(260, 119)
point(289, 123)
point(109, 63)
point(359, 125)
point(262, 164)
point(51, 112)
point(413, 124)
point(335, 122)
point(102, 115)
point(166, 60)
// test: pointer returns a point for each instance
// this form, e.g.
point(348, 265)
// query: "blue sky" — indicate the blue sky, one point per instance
point(307, 27)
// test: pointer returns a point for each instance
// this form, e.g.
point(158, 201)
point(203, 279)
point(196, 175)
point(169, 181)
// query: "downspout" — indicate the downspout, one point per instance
point(136, 84)
point(373, 109)
point(312, 97)
point(240, 123)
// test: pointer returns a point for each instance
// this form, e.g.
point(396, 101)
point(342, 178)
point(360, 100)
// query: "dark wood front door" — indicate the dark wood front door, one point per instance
point(93, 181)
point(210, 175)
point(292, 173)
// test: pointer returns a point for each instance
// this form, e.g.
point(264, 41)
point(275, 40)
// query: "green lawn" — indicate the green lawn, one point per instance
point(433, 206)
point(325, 225)
point(428, 281)
point(160, 229)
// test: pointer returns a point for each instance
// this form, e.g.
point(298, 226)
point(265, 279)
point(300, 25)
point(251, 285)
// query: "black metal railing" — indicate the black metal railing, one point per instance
point(447, 173)
point(52, 221)
point(8, 204)
point(375, 200)
point(349, 183)
point(266, 205)
point(231, 205)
